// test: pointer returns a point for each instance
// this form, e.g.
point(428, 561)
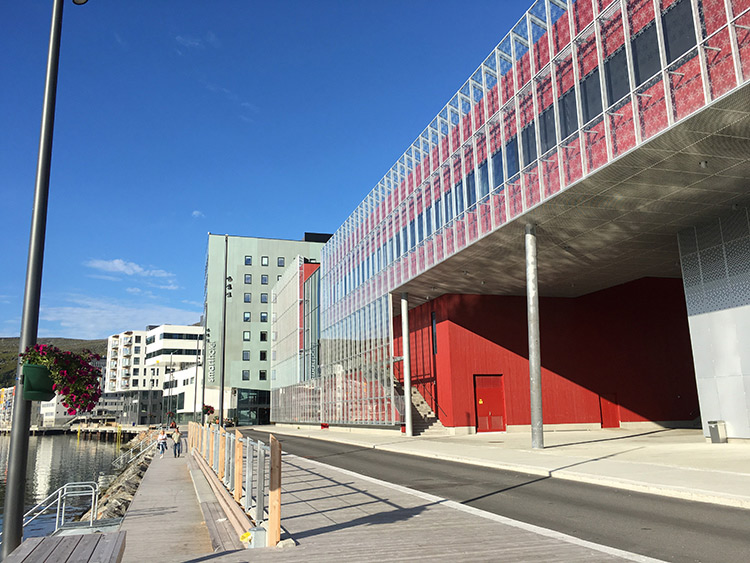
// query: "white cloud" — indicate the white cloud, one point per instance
point(170, 286)
point(189, 41)
point(250, 106)
point(103, 277)
point(212, 40)
point(198, 42)
point(193, 303)
point(198, 214)
point(119, 266)
point(5, 299)
point(91, 317)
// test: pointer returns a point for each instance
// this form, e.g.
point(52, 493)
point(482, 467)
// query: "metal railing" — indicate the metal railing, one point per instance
point(241, 464)
point(126, 458)
point(59, 500)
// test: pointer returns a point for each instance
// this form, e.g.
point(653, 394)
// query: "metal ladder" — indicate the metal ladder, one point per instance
point(59, 500)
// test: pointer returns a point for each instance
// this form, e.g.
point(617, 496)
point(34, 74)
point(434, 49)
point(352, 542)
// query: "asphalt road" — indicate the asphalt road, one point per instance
point(660, 527)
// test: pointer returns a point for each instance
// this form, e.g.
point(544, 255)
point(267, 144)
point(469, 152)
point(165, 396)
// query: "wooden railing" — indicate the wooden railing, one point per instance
point(250, 470)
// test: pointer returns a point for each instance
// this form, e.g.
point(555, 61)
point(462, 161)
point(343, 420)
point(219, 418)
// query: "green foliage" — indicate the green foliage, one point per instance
point(9, 353)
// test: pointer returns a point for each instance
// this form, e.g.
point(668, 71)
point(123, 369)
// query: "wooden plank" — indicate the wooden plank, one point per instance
point(211, 448)
point(84, 549)
point(238, 466)
point(24, 550)
point(274, 494)
point(110, 548)
point(43, 550)
point(65, 547)
point(222, 451)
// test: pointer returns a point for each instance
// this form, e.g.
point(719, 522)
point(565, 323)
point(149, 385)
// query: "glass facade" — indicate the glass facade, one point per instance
point(573, 86)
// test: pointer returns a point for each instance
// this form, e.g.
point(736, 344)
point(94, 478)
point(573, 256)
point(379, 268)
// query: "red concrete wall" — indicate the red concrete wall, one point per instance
point(629, 343)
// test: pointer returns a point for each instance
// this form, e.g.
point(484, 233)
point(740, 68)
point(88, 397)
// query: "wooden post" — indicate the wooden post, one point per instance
point(222, 451)
point(211, 449)
point(274, 494)
point(238, 466)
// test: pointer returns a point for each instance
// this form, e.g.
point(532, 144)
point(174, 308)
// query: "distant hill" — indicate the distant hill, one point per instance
point(9, 353)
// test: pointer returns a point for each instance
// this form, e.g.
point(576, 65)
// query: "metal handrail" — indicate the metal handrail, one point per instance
point(128, 457)
point(59, 498)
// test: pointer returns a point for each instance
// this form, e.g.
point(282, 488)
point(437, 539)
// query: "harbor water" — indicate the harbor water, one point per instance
point(53, 462)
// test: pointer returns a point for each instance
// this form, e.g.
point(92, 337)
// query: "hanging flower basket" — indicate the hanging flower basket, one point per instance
point(71, 375)
point(37, 383)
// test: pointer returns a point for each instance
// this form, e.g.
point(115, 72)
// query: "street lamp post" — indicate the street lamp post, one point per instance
point(19, 437)
point(171, 386)
point(227, 294)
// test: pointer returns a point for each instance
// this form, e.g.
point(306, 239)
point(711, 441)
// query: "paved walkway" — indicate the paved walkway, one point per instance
point(672, 462)
point(164, 522)
point(336, 515)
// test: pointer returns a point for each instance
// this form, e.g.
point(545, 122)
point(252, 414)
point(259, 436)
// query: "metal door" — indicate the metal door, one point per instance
point(489, 398)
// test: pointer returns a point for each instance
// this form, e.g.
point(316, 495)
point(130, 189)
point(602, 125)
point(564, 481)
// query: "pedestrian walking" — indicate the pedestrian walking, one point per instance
point(161, 442)
point(177, 439)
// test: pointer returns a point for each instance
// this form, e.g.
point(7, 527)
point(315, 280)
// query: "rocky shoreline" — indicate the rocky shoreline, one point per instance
point(116, 498)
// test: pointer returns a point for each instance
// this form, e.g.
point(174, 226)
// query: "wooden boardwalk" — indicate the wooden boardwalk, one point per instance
point(89, 548)
point(335, 515)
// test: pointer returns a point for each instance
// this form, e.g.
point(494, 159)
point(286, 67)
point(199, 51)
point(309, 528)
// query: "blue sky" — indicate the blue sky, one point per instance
point(179, 118)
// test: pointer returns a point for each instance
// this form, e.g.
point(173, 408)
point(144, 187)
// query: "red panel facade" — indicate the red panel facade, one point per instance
point(627, 347)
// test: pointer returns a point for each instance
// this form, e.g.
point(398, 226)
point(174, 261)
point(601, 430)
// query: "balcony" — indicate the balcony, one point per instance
point(127, 351)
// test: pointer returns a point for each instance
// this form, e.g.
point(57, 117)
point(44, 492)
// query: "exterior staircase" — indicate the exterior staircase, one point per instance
point(424, 421)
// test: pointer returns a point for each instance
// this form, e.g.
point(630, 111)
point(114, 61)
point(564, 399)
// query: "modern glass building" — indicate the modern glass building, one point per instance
point(578, 98)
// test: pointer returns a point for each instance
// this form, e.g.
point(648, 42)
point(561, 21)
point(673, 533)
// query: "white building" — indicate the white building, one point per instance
point(126, 362)
point(142, 359)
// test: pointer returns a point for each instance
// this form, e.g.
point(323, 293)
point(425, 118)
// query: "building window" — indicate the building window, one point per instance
point(248, 298)
point(137, 339)
point(264, 279)
point(245, 375)
point(263, 355)
point(136, 371)
point(264, 298)
point(136, 349)
point(262, 375)
point(264, 317)
point(246, 316)
point(264, 260)
point(278, 277)
point(280, 261)
point(246, 335)
point(263, 336)
point(135, 383)
point(246, 355)
point(136, 361)
point(248, 260)
point(248, 278)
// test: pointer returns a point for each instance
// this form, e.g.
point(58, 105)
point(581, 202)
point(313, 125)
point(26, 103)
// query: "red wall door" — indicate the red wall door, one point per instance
point(489, 397)
point(610, 410)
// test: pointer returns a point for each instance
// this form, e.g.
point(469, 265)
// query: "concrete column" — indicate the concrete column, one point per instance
point(535, 358)
point(407, 362)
